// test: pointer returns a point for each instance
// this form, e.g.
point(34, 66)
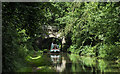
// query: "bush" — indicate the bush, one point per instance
point(109, 51)
point(72, 48)
point(88, 50)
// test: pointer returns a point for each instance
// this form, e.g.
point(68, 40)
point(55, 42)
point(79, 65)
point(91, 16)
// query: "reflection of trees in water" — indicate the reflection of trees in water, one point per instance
point(75, 63)
point(59, 63)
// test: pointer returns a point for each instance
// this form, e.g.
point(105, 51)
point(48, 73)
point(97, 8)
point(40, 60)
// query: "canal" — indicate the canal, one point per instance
point(66, 63)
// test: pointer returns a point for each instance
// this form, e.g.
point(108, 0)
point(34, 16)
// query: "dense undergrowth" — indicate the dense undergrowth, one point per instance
point(94, 29)
point(36, 63)
point(106, 51)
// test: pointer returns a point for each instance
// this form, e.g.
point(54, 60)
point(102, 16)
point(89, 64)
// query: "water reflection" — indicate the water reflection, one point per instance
point(59, 63)
point(70, 63)
point(76, 63)
point(55, 58)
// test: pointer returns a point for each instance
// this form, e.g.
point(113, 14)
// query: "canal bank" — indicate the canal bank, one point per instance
point(64, 62)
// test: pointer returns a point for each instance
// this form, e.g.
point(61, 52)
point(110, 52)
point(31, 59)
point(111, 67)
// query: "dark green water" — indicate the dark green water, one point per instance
point(69, 63)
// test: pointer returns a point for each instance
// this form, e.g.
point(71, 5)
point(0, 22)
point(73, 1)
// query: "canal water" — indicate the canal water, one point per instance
point(64, 62)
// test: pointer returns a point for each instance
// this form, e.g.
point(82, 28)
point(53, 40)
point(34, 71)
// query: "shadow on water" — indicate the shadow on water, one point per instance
point(63, 62)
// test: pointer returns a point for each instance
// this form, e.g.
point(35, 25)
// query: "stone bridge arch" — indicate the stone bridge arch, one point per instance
point(52, 33)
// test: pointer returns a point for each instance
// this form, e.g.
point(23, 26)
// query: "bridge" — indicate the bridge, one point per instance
point(53, 32)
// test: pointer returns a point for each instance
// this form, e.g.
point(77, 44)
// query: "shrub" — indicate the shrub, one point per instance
point(109, 51)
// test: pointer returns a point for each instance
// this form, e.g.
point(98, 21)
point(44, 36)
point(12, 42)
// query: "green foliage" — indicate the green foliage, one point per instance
point(72, 48)
point(89, 28)
point(46, 50)
point(87, 50)
point(22, 23)
point(110, 52)
point(37, 59)
point(35, 63)
point(91, 24)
